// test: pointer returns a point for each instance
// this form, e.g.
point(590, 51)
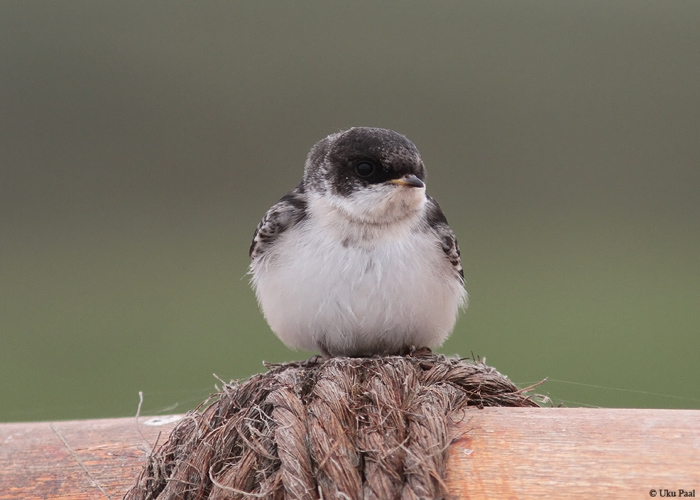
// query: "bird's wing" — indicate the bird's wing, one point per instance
point(286, 213)
point(448, 240)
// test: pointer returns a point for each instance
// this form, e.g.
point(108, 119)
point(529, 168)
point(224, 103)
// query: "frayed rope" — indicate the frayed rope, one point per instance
point(341, 428)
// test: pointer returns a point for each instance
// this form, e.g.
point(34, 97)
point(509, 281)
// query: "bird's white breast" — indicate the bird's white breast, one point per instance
point(357, 288)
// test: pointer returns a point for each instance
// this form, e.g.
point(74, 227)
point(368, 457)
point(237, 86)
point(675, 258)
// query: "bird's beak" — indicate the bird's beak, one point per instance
point(409, 181)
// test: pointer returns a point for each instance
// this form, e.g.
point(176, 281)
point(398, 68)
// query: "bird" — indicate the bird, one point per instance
point(358, 260)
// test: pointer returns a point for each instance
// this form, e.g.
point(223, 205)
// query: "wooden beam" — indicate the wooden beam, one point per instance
point(497, 453)
point(80, 459)
point(575, 453)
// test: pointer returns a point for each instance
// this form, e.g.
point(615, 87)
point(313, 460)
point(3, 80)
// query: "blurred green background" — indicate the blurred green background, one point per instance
point(141, 142)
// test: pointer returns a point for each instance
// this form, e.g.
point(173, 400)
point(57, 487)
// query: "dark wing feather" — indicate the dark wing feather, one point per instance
point(286, 213)
point(438, 223)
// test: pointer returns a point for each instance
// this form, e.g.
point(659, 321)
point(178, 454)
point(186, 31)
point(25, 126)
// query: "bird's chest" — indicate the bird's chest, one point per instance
point(347, 265)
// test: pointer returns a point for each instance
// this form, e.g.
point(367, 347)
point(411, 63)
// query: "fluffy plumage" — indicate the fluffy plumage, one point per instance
point(357, 260)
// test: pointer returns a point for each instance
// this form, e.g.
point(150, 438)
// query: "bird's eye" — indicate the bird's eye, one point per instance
point(364, 169)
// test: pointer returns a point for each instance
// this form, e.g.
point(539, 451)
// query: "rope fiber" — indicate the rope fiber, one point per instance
point(346, 428)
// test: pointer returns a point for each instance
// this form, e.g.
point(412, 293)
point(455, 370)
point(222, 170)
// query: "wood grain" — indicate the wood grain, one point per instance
point(496, 453)
point(575, 453)
point(81, 459)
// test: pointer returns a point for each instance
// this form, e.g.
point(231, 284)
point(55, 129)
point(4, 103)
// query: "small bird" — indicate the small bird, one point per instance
point(358, 260)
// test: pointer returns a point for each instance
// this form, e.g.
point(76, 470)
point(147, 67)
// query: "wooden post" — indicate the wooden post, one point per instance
point(576, 453)
point(497, 453)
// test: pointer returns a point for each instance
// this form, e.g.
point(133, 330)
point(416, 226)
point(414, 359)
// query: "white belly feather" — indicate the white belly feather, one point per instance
point(324, 283)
